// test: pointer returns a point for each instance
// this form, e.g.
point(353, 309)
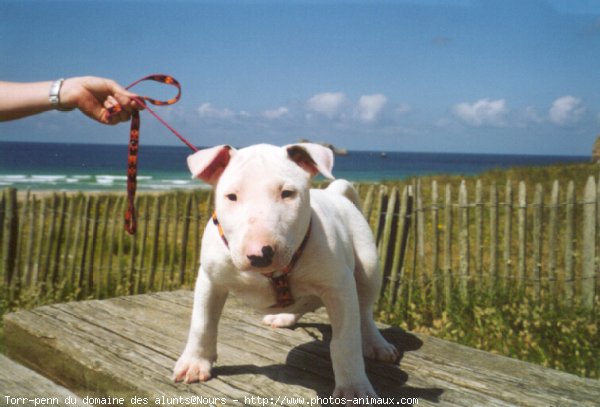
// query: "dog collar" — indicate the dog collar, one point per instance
point(279, 279)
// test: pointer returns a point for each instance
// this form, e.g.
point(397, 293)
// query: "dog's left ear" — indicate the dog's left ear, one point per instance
point(313, 158)
point(209, 164)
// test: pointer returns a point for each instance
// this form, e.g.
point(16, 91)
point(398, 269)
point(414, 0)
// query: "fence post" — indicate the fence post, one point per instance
point(397, 270)
point(569, 244)
point(56, 269)
point(380, 216)
point(51, 241)
point(588, 285)
point(187, 214)
point(493, 276)
point(435, 242)
point(368, 203)
point(522, 236)
point(401, 290)
point(84, 247)
point(479, 231)
point(463, 240)
point(387, 239)
point(551, 286)
point(155, 222)
point(538, 220)
point(10, 235)
point(30, 246)
point(2, 215)
point(507, 255)
point(448, 247)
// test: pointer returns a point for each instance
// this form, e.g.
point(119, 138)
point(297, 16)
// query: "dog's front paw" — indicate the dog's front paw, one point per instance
point(280, 320)
point(362, 391)
point(381, 350)
point(190, 369)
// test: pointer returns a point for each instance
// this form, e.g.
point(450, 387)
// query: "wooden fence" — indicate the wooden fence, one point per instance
point(74, 246)
point(444, 244)
point(435, 244)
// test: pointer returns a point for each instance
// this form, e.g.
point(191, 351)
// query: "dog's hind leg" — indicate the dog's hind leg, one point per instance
point(368, 285)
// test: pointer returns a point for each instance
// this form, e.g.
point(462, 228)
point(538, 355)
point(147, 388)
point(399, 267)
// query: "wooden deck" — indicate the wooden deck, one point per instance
point(126, 347)
point(19, 383)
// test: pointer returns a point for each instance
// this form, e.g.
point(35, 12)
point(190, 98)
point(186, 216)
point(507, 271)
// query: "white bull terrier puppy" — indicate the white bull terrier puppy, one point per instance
point(286, 250)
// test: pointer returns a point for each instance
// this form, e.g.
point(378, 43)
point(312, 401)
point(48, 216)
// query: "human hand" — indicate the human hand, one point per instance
point(94, 96)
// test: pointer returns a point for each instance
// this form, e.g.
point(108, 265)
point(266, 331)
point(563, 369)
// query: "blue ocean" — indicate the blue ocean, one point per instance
point(87, 167)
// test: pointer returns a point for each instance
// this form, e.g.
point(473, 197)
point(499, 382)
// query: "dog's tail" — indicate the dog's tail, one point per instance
point(343, 187)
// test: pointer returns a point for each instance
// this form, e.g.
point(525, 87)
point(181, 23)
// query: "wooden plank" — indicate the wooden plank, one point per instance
point(127, 347)
point(19, 383)
point(588, 283)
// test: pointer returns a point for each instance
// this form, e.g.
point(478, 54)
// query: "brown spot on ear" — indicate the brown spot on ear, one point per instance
point(301, 157)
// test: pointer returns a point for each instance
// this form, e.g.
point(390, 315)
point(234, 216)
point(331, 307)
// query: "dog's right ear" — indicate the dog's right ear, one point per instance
point(209, 164)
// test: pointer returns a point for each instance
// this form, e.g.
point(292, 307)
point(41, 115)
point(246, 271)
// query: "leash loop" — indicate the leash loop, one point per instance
point(134, 137)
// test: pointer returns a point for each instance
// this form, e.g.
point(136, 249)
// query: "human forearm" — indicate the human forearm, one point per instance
point(23, 99)
point(93, 96)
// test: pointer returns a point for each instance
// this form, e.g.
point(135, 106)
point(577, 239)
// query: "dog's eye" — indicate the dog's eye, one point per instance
point(287, 194)
point(231, 197)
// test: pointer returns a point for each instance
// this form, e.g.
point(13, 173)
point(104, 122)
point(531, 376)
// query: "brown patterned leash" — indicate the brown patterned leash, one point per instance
point(134, 137)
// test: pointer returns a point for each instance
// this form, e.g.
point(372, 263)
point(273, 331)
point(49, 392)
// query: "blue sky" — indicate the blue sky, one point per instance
point(437, 76)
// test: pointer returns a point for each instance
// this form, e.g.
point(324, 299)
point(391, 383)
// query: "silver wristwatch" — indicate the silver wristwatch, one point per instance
point(54, 97)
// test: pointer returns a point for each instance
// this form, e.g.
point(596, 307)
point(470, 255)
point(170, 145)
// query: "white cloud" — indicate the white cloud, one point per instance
point(276, 113)
point(328, 104)
point(484, 112)
point(369, 107)
point(566, 110)
point(206, 110)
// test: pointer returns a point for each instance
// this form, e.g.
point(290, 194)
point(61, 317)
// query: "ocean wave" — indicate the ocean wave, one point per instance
point(48, 178)
point(111, 178)
point(99, 182)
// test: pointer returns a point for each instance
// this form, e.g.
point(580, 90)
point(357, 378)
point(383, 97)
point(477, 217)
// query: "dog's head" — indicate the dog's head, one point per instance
point(262, 198)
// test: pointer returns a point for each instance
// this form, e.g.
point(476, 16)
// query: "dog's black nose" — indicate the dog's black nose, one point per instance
point(265, 260)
